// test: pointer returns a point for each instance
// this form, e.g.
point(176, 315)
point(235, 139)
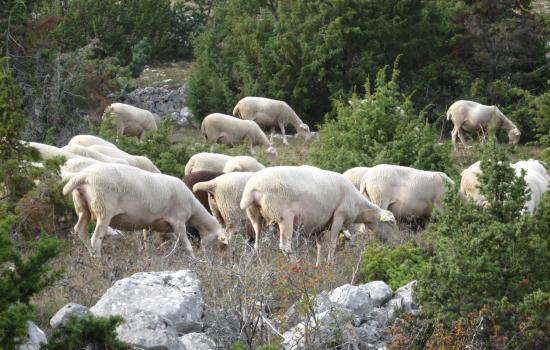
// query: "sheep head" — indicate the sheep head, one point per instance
point(271, 152)
point(215, 244)
point(303, 129)
point(513, 136)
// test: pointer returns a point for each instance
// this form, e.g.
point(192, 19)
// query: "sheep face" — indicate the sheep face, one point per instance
point(271, 152)
point(215, 244)
point(303, 130)
point(513, 136)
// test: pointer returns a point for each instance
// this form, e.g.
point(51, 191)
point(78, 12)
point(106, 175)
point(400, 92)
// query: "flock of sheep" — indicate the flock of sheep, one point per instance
point(221, 196)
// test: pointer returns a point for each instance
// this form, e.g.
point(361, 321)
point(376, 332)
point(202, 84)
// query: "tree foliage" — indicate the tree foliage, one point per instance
point(381, 127)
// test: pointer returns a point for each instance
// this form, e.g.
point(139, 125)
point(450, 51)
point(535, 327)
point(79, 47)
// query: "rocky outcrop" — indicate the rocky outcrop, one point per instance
point(197, 341)
point(161, 101)
point(355, 315)
point(35, 339)
point(71, 309)
point(158, 308)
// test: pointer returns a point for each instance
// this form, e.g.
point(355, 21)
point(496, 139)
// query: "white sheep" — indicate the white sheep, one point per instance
point(227, 130)
point(89, 140)
point(205, 161)
point(130, 120)
point(536, 178)
point(127, 198)
point(311, 198)
point(472, 116)
point(49, 151)
point(242, 164)
point(270, 113)
point(225, 194)
point(137, 161)
point(90, 153)
point(407, 192)
point(74, 165)
point(355, 175)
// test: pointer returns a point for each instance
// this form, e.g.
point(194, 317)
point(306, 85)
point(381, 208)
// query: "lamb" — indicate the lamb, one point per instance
point(90, 153)
point(472, 116)
point(310, 197)
point(205, 161)
point(407, 192)
point(224, 197)
point(128, 198)
point(137, 161)
point(48, 151)
point(270, 113)
point(227, 130)
point(355, 175)
point(536, 178)
point(130, 120)
point(89, 140)
point(242, 164)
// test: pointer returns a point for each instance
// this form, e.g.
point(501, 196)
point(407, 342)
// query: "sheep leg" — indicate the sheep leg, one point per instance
point(319, 246)
point(80, 228)
point(286, 227)
point(282, 127)
point(99, 233)
point(272, 133)
point(337, 223)
point(461, 137)
point(257, 221)
point(454, 134)
point(182, 232)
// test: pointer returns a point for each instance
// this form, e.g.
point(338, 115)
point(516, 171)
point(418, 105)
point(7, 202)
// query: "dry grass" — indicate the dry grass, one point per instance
point(172, 75)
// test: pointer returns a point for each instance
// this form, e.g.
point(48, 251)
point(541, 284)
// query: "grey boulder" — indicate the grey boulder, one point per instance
point(35, 337)
point(71, 309)
point(197, 341)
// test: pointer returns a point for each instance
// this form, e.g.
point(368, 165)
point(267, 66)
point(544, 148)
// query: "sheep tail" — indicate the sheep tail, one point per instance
point(446, 178)
point(203, 131)
point(207, 186)
point(449, 114)
point(236, 111)
point(74, 182)
point(248, 199)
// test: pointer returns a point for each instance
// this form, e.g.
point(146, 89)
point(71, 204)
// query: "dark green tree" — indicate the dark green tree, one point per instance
point(141, 55)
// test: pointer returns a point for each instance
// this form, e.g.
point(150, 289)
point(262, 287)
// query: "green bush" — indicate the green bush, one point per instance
point(396, 266)
point(380, 128)
point(491, 261)
point(83, 332)
point(141, 55)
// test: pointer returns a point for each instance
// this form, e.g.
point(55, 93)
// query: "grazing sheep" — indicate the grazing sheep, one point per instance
point(355, 175)
point(89, 140)
point(48, 151)
point(536, 178)
point(407, 192)
point(128, 198)
point(225, 194)
point(270, 113)
point(200, 176)
point(90, 153)
point(242, 164)
point(205, 161)
point(227, 130)
point(472, 116)
point(311, 198)
point(130, 120)
point(137, 161)
point(74, 165)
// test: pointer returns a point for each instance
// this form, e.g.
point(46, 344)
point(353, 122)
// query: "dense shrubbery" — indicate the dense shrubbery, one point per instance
point(380, 128)
point(88, 332)
point(485, 265)
point(308, 53)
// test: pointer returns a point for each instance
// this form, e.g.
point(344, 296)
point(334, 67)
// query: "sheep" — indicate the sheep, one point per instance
point(536, 179)
point(90, 153)
point(407, 192)
point(355, 175)
point(225, 193)
point(130, 120)
point(310, 197)
point(200, 176)
point(270, 113)
point(127, 198)
point(227, 130)
point(75, 165)
point(48, 151)
point(89, 140)
point(137, 161)
point(472, 116)
point(242, 164)
point(205, 161)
